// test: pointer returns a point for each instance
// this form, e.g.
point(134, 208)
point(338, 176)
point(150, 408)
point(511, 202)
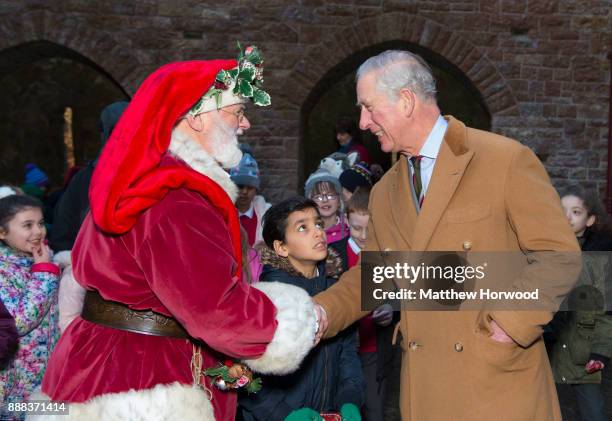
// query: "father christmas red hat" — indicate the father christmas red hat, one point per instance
point(128, 179)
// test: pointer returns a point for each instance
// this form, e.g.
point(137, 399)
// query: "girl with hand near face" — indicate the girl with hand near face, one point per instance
point(28, 288)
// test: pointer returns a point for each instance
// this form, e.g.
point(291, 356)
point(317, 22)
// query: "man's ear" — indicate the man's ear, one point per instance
point(280, 248)
point(408, 100)
point(195, 123)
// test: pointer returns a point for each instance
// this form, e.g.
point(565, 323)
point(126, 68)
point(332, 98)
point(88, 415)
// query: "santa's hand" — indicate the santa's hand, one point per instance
point(383, 315)
point(321, 322)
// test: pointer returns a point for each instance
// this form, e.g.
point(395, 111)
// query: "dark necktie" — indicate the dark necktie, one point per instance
point(416, 178)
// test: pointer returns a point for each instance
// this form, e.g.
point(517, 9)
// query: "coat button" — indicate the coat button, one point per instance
point(413, 345)
point(458, 347)
point(564, 346)
point(467, 245)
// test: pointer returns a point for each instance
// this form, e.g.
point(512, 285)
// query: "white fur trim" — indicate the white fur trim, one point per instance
point(164, 402)
point(295, 333)
point(226, 98)
point(70, 299)
point(197, 158)
point(6, 191)
point(63, 259)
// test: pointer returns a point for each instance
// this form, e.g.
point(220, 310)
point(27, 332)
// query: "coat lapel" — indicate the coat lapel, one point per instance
point(453, 159)
point(400, 196)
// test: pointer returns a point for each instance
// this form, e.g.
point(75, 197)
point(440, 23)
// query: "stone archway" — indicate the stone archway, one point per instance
point(39, 80)
point(120, 63)
point(330, 56)
point(425, 33)
point(102, 69)
point(334, 97)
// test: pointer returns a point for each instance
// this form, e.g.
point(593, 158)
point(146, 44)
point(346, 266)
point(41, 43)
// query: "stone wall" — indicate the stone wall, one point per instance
point(540, 65)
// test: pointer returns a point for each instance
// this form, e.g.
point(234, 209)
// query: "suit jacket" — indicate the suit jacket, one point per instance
point(487, 193)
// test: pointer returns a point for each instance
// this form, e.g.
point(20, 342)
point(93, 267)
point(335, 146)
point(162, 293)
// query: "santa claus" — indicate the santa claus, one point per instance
point(159, 255)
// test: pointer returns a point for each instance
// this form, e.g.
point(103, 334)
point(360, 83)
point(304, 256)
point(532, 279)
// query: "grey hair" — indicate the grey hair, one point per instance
point(396, 70)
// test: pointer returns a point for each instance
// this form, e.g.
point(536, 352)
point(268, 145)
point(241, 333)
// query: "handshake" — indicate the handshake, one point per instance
point(382, 316)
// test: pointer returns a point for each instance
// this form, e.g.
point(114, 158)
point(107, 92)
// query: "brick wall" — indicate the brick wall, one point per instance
point(540, 65)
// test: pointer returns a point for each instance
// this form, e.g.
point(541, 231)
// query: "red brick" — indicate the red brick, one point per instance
point(566, 111)
point(549, 110)
point(489, 6)
point(413, 28)
point(552, 88)
point(429, 33)
point(458, 6)
point(403, 6)
point(542, 6)
point(545, 74)
point(513, 6)
point(587, 70)
point(554, 21)
point(564, 34)
point(549, 55)
point(562, 75)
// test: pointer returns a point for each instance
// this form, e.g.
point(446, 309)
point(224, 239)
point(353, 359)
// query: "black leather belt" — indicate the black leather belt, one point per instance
point(119, 316)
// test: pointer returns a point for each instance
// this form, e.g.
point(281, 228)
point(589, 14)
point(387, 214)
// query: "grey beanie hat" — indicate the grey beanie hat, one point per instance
point(246, 173)
point(318, 176)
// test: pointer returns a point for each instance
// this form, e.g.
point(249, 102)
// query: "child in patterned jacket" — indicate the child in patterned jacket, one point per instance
point(28, 289)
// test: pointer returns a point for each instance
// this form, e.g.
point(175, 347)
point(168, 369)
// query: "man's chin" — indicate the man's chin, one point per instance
point(385, 146)
point(230, 161)
point(230, 164)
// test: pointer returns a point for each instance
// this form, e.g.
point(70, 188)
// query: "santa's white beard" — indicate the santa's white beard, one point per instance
point(224, 143)
point(187, 149)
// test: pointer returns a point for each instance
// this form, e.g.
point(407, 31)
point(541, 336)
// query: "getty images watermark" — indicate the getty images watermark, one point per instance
point(492, 280)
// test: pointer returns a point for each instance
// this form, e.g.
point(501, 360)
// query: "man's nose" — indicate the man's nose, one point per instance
point(244, 124)
point(364, 119)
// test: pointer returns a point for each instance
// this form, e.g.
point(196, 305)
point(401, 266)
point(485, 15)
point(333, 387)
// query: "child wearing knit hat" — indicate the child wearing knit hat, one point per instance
point(35, 176)
point(324, 188)
point(35, 182)
point(356, 176)
point(251, 206)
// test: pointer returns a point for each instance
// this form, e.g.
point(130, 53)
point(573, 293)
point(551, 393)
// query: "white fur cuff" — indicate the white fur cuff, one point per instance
point(63, 259)
point(294, 336)
point(164, 402)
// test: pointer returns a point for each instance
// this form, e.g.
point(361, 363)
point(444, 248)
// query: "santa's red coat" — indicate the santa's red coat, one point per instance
point(177, 260)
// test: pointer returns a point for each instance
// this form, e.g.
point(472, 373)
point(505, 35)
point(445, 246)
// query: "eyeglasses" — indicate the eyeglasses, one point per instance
point(324, 197)
point(239, 114)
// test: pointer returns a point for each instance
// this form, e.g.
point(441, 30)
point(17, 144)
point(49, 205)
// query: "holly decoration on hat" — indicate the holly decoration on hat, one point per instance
point(247, 79)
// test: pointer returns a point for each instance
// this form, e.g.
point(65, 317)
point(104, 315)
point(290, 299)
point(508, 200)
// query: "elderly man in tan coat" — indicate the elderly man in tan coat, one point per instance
point(479, 192)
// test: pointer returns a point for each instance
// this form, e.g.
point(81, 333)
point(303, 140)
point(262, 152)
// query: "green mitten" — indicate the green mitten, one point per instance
point(350, 412)
point(304, 414)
